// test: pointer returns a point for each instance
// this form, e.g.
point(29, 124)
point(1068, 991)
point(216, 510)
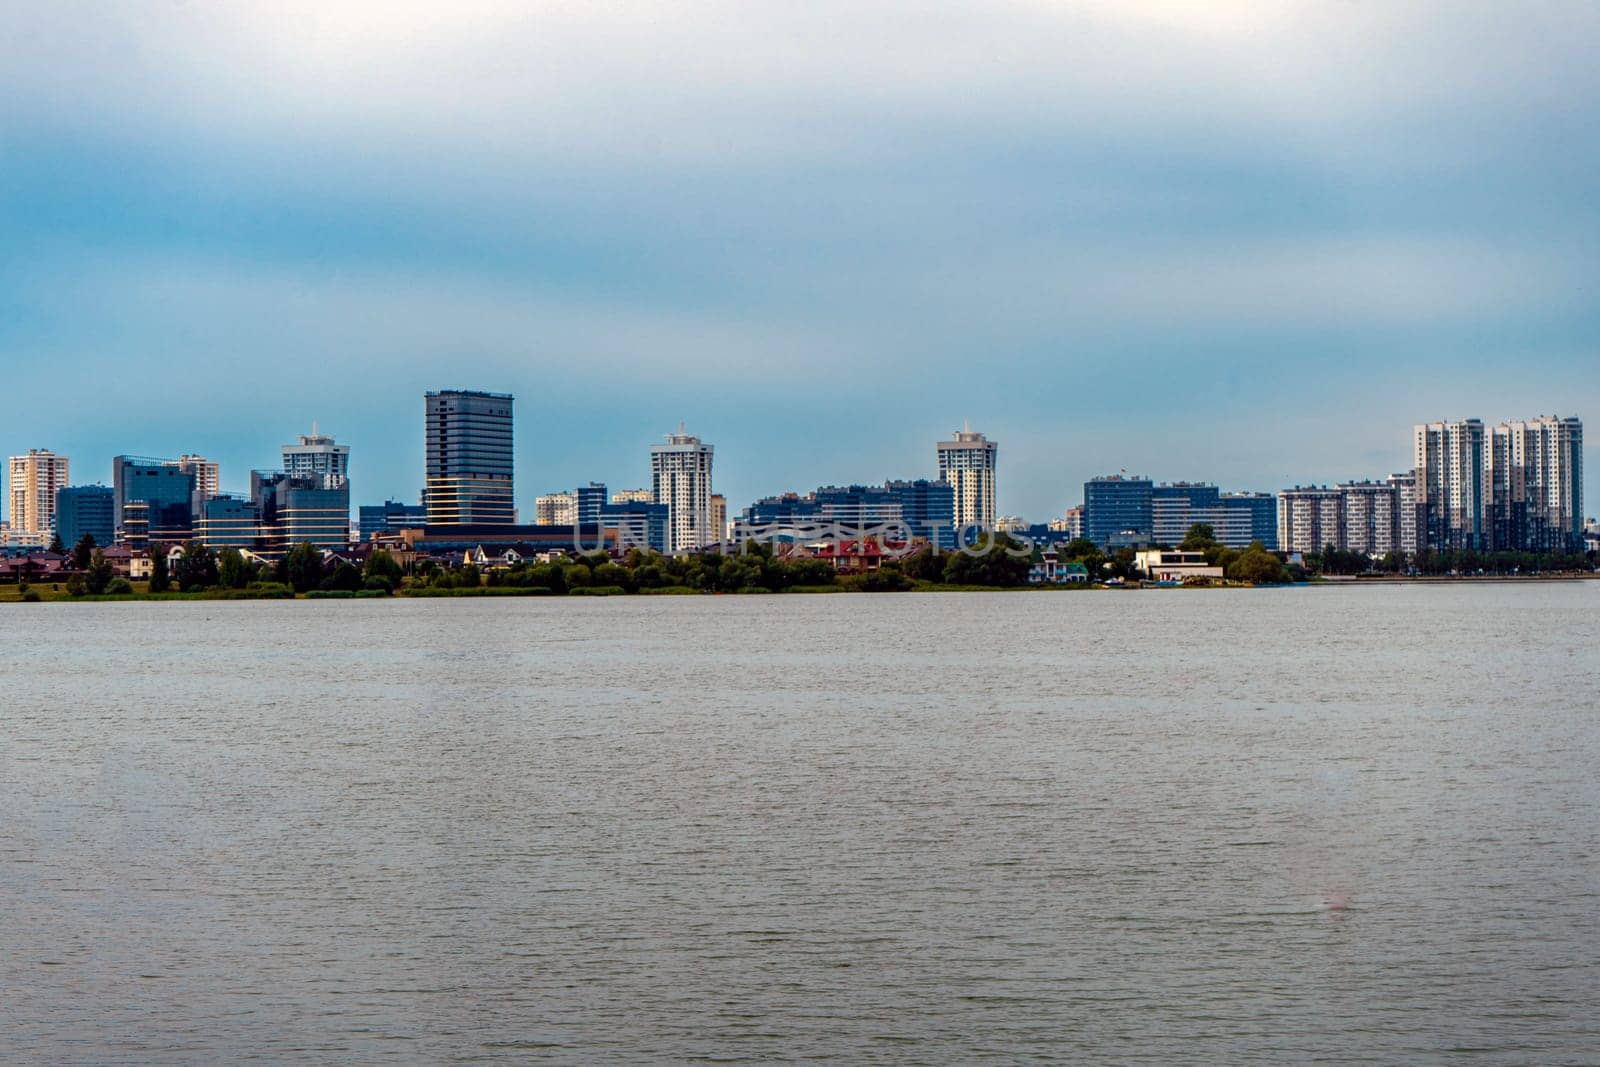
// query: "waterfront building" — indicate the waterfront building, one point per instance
point(680, 478)
point(1533, 485)
point(1262, 509)
point(968, 463)
point(639, 524)
point(555, 509)
point(153, 500)
point(85, 509)
point(1118, 509)
point(315, 455)
point(470, 461)
point(389, 517)
point(1169, 565)
point(1010, 524)
point(36, 478)
point(1449, 484)
point(1309, 519)
point(1405, 487)
point(1370, 520)
point(633, 496)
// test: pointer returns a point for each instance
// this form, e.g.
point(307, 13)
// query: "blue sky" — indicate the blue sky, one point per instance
point(1196, 241)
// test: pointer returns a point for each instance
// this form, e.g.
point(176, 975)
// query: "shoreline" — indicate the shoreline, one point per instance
point(9, 594)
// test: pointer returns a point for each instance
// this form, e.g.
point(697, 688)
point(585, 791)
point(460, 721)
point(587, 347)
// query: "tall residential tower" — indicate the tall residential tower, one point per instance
point(680, 478)
point(967, 462)
point(35, 480)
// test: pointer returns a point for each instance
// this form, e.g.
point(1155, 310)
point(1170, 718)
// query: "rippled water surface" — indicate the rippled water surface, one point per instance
point(1337, 824)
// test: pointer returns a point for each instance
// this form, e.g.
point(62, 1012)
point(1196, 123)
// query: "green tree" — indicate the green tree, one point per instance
point(345, 576)
point(98, 574)
point(1201, 536)
point(196, 569)
point(1257, 566)
point(926, 565)
point(56, 546)
point(302, 569)
point(83, 552)
point(233, 570)
point(382, 565)
point(995, 560)
point(160, 580)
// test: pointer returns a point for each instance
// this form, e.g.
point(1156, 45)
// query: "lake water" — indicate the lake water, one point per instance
point(1355, 825)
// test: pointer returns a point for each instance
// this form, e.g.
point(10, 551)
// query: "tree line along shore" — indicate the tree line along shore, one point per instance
point(1001, 563)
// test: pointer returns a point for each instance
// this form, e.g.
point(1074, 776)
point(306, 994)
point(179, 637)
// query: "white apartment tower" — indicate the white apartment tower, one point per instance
point(680, 477)
point(1533, 485)
point(315, 455)
point(1449, 484)
point(968, 463)
point(1310, 519)
point(35, 479)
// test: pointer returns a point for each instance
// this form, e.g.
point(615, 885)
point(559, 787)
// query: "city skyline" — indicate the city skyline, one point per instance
point(327, 448)
point(1255, 262)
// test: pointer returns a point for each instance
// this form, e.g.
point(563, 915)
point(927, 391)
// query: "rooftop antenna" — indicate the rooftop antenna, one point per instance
point(680, 427)
point(966, 425)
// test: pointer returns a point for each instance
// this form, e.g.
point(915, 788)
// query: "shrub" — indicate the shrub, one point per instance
point(29, 596)
point(119, 586)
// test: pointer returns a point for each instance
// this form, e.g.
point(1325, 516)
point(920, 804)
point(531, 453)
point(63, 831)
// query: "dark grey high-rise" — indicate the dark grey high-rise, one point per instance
point(469, 475)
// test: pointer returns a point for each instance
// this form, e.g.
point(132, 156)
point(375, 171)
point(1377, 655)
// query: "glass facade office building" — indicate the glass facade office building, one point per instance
point(1115, 505)
point(153, 501)
point(86, 509)
point(469, 459)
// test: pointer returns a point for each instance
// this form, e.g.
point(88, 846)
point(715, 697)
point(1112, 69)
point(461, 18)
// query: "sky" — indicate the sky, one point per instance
point(1249, 244)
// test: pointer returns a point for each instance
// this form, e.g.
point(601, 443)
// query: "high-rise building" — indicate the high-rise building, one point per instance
point(315, 455)
point(1118, 507)
point(680, 477)
point(632, 496)
point(555, 509)
point(1405, 487)
point(928, 509)
point(1262, 508)
point(1533, 485)
point(154, 501)
point(469, 459)
point(1370, 518)
point(36, 478)
point(1310, 519)
point(719, 516)
point(85, 509)
point(1449, 484)
point(968, 462)
point(588, 500)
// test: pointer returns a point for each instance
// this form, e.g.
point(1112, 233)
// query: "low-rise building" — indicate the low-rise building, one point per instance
point(1171, 565)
